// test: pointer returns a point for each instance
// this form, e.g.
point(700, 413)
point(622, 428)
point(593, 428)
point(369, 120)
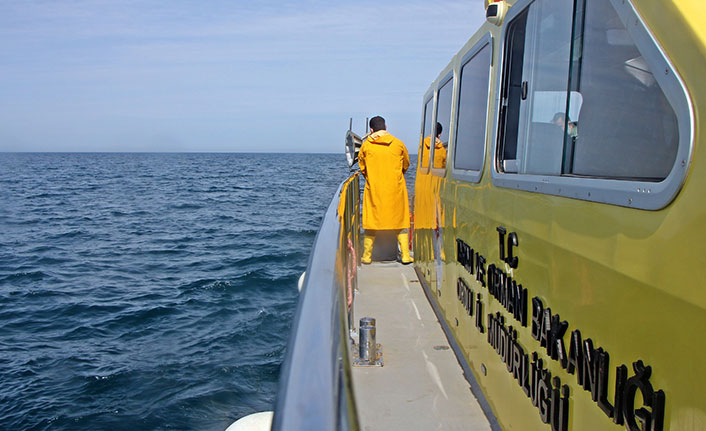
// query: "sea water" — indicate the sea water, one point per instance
point(151, 291)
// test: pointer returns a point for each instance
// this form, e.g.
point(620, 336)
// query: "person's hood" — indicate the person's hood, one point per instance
point(381, 137)
point(437, 143)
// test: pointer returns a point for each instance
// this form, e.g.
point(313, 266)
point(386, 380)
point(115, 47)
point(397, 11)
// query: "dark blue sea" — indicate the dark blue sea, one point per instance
point(151, 291)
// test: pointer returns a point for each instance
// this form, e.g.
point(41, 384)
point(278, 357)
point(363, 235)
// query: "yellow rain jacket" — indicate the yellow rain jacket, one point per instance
point(439, 153)
point(383, 160)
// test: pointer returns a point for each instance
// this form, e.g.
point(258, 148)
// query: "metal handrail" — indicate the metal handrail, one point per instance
point(315, 389)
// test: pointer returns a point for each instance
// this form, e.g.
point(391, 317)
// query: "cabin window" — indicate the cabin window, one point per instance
point(539, 88)
point(426, 131)
point(469, 140)
point(624, 126)
point(512, 90)
point(440, 138)
point(579, 99)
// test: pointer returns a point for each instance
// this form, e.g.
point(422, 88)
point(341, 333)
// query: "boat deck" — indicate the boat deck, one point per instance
point(421, 385)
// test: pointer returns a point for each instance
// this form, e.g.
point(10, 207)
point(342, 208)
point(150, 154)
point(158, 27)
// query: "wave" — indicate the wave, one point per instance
point(151, 291)
point(69, 234)
point(205, 284)
point(186, 206)
point(44, 195)
point(24, 276)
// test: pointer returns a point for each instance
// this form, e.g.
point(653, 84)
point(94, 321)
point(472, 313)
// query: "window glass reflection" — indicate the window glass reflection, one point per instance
point(545, 78)
point(627, 128)
point(424, 149)
point(443, 121)
point(587, 105)
point(469, 142)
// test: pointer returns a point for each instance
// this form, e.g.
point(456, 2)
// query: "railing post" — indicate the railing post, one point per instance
point(351, 233)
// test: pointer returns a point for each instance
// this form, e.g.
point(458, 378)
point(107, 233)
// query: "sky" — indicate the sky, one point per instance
point(225, 76)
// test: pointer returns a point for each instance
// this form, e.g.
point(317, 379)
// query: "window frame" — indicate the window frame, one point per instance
point(471, 175)
point(450, 76)
point(429, 96)
point(629, 193)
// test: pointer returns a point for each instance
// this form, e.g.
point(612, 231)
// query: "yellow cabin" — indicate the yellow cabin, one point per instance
point(562, 231)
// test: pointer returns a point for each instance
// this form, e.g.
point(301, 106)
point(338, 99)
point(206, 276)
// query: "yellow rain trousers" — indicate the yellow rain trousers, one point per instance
point(383, 160)
point(402, 240)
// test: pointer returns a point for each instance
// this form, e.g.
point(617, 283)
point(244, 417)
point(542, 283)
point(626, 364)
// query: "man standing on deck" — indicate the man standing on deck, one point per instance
point(383, 160)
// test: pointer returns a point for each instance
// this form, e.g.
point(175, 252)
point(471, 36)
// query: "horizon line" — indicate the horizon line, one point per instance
point(170, 152)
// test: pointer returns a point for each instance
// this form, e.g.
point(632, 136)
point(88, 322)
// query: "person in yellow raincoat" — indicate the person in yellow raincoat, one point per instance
point(439, 150)
point(383, 160)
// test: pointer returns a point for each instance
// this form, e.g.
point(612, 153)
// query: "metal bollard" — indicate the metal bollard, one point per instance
point(367, 344)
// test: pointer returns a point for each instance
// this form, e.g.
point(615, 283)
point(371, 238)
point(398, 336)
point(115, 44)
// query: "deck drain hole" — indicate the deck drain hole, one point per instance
point(441, 347)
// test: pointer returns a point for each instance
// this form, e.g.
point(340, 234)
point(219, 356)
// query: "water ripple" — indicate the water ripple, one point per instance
point(151, 291)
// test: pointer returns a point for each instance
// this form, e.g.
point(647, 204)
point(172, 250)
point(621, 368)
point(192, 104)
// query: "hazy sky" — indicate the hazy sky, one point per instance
point(134, 75)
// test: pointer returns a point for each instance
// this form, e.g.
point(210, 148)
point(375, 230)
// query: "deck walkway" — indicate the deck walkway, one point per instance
point(421, 385)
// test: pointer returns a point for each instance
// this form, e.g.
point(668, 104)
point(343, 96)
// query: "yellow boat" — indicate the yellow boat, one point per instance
point(558, 226)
